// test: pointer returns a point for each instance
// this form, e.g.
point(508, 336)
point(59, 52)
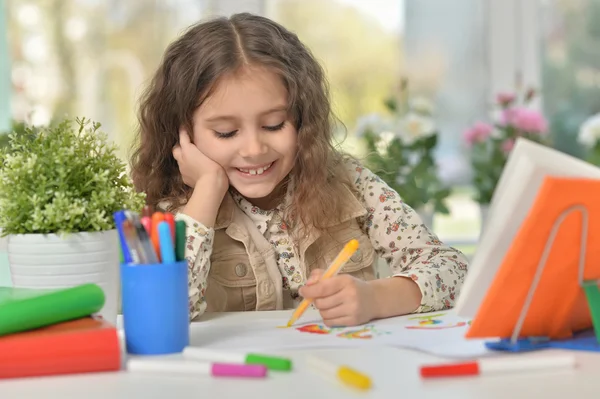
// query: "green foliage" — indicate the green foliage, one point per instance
point(64, 178)
point(592, 155)
point(17, 128)
point(487, 162)
point(360, 56)
point(403, 156)
point(491, 144)
point(410, 170)
point(569, 71)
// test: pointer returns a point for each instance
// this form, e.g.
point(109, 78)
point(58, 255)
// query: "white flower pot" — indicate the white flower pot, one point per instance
point(52, 261)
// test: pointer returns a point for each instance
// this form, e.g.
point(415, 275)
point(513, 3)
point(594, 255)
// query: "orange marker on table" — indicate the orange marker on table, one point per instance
point(331, 271)
point(157, 217)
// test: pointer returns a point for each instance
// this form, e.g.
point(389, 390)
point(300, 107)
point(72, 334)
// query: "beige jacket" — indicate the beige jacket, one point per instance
point(244, 274)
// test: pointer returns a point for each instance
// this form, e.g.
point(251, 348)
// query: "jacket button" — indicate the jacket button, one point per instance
point(357, 256)
point(241, 270)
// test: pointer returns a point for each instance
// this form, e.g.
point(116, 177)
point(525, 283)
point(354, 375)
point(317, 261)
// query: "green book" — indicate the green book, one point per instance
point(23, 309)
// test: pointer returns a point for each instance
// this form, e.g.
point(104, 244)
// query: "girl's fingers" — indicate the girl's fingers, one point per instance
point(330, 302)
point(341, 321)
point(315, 275)
point(177, 152)
point(334, 312)
point(184, 138)
point(324, 288)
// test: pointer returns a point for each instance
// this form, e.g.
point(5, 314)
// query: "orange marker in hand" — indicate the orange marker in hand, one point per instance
point(157, 217)
point(331, 271)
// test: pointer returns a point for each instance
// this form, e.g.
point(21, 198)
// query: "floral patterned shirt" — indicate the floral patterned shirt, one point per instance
point(271, 225)
point(395, 230)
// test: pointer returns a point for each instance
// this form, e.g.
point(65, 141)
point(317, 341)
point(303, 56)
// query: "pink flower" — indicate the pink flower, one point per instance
point(505, 99)
point(529, 121)
point(477, 133)
point(508, 145)
point(507, 117)
point(523, 119)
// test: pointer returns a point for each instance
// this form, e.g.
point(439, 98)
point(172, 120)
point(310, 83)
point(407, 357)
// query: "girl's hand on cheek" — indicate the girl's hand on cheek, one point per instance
point(194, 166)
point(342, 300)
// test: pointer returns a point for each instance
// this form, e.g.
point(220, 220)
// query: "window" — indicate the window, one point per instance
point(368, 47)
point(569, 49)
point(92, 58)
point(359, 45)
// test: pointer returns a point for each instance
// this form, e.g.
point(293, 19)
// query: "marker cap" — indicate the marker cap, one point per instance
point(354, 378)
point(271, 362)
point(450, 370)
point(238, 370)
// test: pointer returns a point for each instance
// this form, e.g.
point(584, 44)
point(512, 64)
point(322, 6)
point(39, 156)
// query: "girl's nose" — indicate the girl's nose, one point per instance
point(253, 146)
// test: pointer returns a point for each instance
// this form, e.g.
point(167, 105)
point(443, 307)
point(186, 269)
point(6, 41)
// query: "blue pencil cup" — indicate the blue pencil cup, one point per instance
point(155, 308)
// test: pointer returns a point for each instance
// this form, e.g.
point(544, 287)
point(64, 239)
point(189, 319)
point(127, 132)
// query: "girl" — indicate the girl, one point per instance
point(236, 138)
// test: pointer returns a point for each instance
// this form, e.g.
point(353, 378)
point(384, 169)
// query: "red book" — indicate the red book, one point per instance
point(84, 345)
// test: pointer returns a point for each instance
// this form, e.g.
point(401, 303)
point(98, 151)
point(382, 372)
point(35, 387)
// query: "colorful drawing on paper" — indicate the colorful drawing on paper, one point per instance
point(314, 329)
point(433, 322)
point(362, 332)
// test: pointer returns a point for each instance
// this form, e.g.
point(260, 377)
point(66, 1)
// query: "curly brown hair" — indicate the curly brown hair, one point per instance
point(189, 70)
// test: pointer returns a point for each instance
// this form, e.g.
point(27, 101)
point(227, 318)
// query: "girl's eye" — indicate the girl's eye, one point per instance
point(225, 135)
point(274, 128)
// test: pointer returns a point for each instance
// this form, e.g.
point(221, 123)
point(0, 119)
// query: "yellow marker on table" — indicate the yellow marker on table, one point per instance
point(345, 374)
point(331, 271)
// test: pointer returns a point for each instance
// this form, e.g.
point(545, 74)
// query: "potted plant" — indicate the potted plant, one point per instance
point(491, 143)
point(16, 127)
point(400, 151)
point(59, 187)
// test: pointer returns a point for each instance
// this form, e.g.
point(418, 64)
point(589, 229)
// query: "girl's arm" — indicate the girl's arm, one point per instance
point(199, 215)
point(417, 258)
point(198, 248)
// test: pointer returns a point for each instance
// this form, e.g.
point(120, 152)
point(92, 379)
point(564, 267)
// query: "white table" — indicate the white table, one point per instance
point(394, 372)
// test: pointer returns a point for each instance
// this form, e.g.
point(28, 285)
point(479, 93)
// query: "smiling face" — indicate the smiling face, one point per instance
point(244, 126)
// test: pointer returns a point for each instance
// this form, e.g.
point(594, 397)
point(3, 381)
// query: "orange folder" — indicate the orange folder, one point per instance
point(84, 345)
point(559, 305)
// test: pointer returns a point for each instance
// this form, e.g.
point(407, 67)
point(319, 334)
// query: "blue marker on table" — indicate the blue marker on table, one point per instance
point(167, 249)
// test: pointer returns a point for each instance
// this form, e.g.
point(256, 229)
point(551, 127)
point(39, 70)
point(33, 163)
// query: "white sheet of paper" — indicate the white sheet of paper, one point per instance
point(437, 333)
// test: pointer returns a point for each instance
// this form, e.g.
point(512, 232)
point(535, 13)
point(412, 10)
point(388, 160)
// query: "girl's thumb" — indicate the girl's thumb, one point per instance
point(315, 276)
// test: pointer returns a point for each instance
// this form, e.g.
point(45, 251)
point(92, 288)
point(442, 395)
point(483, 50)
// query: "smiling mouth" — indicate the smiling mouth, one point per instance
point(256, 171)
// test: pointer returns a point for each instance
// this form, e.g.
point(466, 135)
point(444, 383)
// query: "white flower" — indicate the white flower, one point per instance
point(401, 178)
point(372, 122)
point(414, 127)
point(422, 106)
point(496, 133)
point(589, 132)
point(413, 159)
point(385, 138)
